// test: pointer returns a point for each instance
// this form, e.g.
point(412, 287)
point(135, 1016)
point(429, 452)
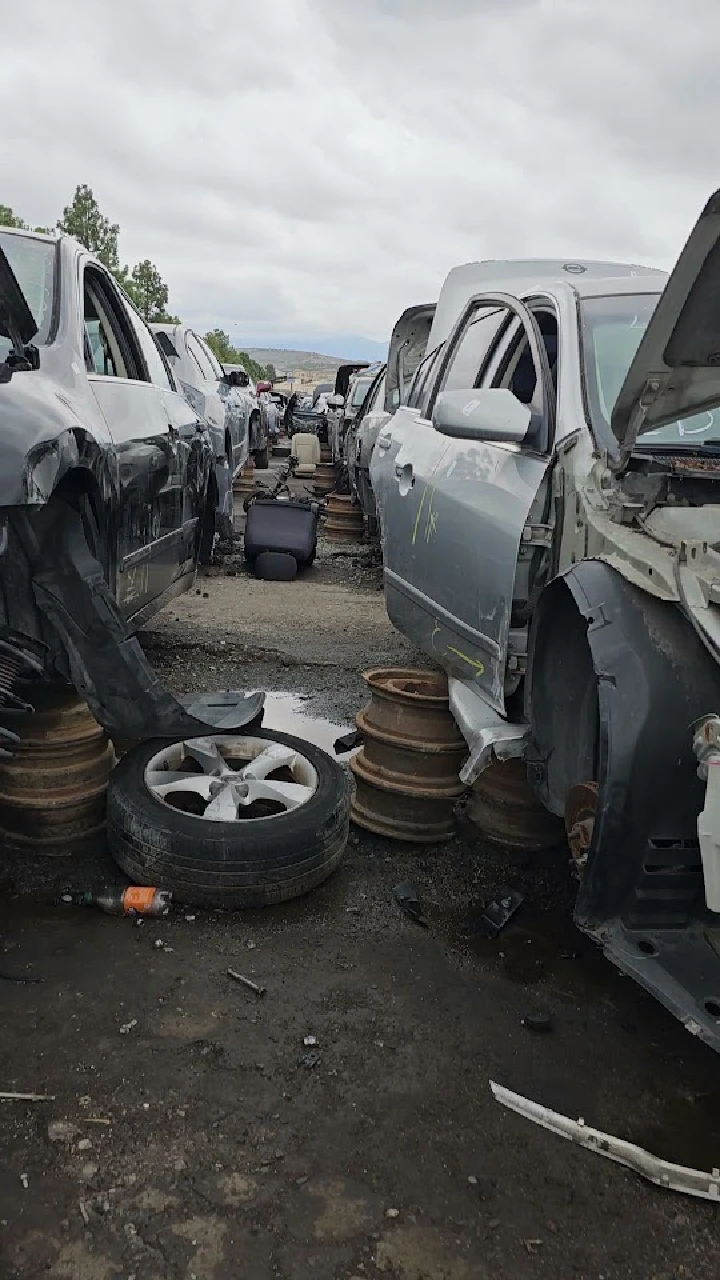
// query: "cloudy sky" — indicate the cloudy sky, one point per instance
point(301, 167)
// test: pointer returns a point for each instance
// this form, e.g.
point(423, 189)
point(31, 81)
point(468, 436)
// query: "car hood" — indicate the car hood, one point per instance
point(345, 373)
point(408, 345)
point(16, 319)
point(676, 369)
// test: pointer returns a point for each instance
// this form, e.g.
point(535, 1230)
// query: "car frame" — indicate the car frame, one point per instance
point(549, 547)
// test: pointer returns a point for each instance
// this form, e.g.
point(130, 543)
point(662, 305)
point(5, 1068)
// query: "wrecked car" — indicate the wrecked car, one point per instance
point(103, 489)
point(549, 501)
point(387, 390)
point(239, 378)
point(208, 390)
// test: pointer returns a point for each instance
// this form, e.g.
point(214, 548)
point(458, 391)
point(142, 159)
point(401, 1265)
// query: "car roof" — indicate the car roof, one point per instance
point(525, 277)
point(48, 237)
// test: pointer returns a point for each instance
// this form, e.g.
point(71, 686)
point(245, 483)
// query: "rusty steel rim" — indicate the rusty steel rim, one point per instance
point(53, 789)
point(506, 810)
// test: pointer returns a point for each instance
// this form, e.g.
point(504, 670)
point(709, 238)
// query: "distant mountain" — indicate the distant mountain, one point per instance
point(341, 349)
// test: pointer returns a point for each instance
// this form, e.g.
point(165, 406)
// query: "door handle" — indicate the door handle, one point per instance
point(383, 443)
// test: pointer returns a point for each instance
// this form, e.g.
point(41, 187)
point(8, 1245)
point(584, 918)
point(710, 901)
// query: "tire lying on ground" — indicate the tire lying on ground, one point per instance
point(275, 566)
point(289, 834)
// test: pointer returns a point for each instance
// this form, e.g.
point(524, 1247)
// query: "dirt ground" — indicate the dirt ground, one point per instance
point(195, 1143)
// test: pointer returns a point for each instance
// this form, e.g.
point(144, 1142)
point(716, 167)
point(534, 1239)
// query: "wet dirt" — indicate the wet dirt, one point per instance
point(201, 1141)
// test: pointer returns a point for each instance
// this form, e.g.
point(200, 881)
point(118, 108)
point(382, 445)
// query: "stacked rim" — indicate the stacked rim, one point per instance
point(407, 772)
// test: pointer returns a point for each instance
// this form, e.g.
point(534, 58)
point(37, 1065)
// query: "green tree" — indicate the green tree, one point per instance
point(9, 219)
point(271, 373)
point(83, 219)
point(219, 342)
point(149, 292)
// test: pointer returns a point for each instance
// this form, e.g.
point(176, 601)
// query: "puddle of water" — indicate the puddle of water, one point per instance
point(287, 713)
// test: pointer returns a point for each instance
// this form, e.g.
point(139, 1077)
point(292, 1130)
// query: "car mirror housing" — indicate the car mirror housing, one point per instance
point(484, 413)
point(335, 402)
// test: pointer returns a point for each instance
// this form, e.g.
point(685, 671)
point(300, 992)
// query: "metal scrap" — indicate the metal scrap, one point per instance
point(673, 1177)
point(408, 898)
point(499, 912)
point(246, 982)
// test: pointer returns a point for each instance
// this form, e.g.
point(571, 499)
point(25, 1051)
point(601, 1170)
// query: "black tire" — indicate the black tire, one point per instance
point(228, 864)
point(262, 458)
point(275, 566)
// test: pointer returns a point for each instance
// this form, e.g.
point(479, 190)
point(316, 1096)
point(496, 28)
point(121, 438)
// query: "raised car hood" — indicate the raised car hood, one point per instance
point(676, 370)
point(16, 319)
point(408, 345)
point(344, 374)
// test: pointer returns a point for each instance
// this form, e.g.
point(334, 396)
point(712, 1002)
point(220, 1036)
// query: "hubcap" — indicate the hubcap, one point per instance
point(231, 779)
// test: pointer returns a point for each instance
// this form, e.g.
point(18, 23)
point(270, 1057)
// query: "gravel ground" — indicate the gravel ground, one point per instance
point(185, 1138)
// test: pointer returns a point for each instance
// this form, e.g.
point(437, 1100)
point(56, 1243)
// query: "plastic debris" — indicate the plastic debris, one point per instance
point(408, 898)
point(9, 1095)
point(673, 1177)
point(310, 1041)
point(136, 900)
point(310, 1060)
point(537, 1022)
point(127, 1027)
point(499, 912)
point(348, 742)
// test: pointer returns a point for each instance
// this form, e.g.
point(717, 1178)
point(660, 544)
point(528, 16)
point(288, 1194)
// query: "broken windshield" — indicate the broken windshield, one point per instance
point(611, 330)
point(33, 265)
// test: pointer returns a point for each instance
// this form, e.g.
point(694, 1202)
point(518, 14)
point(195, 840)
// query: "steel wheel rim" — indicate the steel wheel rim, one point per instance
point(223, 778)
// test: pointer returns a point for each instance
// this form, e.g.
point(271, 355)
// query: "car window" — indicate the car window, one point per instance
point(419, 394)
point(111, 348)
point(210, 357)
point(466, 364)
point(378, 396)
point(199, 357)
point(157, 366)
point(34, 264)
point(515, 368)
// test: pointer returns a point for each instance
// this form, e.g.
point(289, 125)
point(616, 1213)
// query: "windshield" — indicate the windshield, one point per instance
point(360, 391)
point(33, 264)
point(612, 329)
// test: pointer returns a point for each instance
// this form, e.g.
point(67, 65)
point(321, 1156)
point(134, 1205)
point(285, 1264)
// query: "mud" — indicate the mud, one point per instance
point(202, 1146)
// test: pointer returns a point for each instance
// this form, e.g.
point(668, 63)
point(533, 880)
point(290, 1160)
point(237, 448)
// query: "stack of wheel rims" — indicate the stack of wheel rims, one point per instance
point(344, 521)
point(244, 482)
point(407, 772)
point(323, 479)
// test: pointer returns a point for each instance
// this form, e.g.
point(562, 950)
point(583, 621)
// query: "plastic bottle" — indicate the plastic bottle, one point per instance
point(136, 900)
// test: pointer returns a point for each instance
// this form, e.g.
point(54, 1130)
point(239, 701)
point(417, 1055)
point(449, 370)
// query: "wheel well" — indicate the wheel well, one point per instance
point(561, 701)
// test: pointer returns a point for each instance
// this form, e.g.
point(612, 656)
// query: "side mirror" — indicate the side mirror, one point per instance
point(335, 402)
point(487, 413)
point(243, 380)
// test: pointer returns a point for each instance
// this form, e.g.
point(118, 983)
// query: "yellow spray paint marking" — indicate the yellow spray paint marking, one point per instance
point(419, 513)
point(478, 667)
point(431, 525)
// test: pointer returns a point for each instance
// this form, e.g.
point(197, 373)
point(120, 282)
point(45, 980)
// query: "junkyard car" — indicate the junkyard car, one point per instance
point(549, 501)
point(105, 466)
point(209, 392)
point(240, 379)
point(388, 389)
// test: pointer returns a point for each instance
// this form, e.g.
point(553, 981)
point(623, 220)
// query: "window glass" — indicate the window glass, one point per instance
point(34, 264)
point(210, 357)
point(423, 382)
point(109, 348)
point(157, 365)
point(468, 358)
point(199, 356)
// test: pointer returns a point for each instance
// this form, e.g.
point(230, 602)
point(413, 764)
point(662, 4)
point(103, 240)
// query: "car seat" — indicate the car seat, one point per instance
point(305, 449)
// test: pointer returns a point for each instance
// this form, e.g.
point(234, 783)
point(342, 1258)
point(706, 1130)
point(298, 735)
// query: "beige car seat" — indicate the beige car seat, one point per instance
point(305, 449)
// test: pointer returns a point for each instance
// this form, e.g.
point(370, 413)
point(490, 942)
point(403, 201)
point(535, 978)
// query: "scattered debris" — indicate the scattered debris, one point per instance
point(24, 1180)
point(532, 1245)
point(163, 946)
point(62, 1131)
point(472, 1180)
point(310, 1060)
point(127, 1027)
point(348, 742)
point(499, 912)
point(408, 898)
point(84, 1213)
point(191, 919)
point(136, 900)
point(538, 1022)
point(19, 977)
point(674, 1177)
point(392, 1213)
point(8, 1095)
point(310, 1041)
point(246, 982)
point(84, 1144)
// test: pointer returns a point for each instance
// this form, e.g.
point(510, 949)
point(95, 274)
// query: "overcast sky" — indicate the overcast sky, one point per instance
point(314, 166)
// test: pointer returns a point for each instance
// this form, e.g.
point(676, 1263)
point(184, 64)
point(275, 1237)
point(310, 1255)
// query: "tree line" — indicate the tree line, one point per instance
point(143, 284)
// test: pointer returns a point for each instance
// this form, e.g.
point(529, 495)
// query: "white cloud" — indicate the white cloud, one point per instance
point(316, 166)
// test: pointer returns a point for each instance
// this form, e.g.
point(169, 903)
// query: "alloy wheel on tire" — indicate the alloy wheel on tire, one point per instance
point(231, 779)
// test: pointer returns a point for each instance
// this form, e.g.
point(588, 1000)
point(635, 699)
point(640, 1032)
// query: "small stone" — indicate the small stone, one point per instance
point(87, 1173)
point(61, 1131)
point(300, 1182)
point(310, 1041)
point(392, 1213)
point(472, 1180)
point(84, 1144)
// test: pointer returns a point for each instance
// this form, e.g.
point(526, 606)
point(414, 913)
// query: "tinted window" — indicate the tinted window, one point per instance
point(34, 264)
point(463, 371)
point(199, 356)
